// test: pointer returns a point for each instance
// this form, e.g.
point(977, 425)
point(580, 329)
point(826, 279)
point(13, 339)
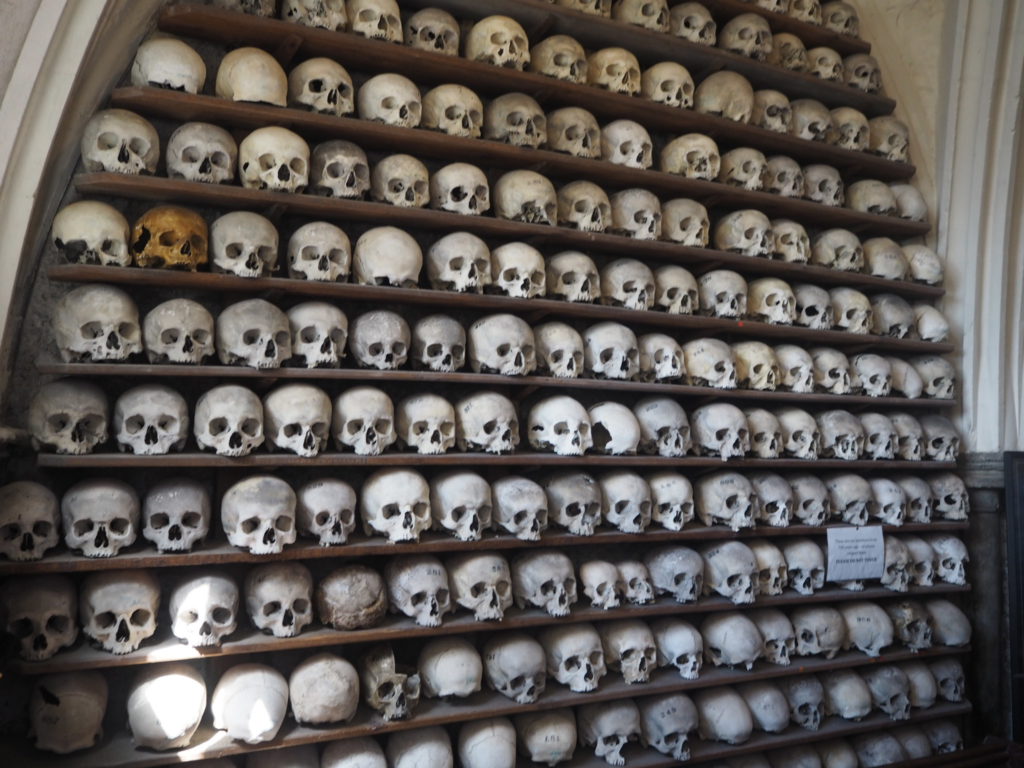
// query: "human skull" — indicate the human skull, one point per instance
point(851, 497)
point(723, 293)
point(523, 195)
point(400, 180)
point(922, 560)
point(898, 563)
point(727, 498)
point(767, 705)
point(778, 635)
point(460, 188)
point(775, 499)
point(792, 244)
point(584, 206)
point(725, 94)
point(520, 507)
point(297, 418)
point(813, 307)
point(118, 609)
point(842, 435)
point(796, 368)
point(319, 334)
point(869, 628)
point(66, 711)
point(486, 421)
point(609, 726)
point(351, 597)
point(319, 251)
point(923, 690)
point(890, 689)
point(771, 300)
point(949, 495)
point(418, 587)
point(801, 438)
point(166, 62)
point(514, 666)
point(852, 310)
point(364, 420)
point(275, 159)
point(891, 316)
point(805, 563)
point(787, 51)
point(91, 232)
point(861, 71)
point(878, 748)
point(391, 99)
point(461, 504)
point(575, 656)
point(951, 625)
point(806, 697)
point(819, 630)
point(783, 176)
point(279, 598)
point(40, 614)
point(931, 324)
point(574, 502)
point(629, 648)
point(772, 111)
point(812, 122)
point(387, 688)
point(250, 702)
point(743, 167)
point(823, 184)
point(454, 110)
point(254, 333)
point(938, 375)
point(178, 331)
point(560, 57)
point(321, 85)
point(426, 422)
point(395, 503)
point(498, 40)
point(838, 249)
point(720, 429)
point(548, 737)
point(376, 19)
point(710, 363)
point(666, 723)
point(871, 196)
point(449, 667)
point(601, 583)
point(328, 14)
point(438, 344)
point(906, 381)
point(668, 83)
point(120, 141)
point(516, 119)
point(731, 639)
point(747, 232)
point(204, 609)
point(626, 142)
point(724, 715)
point(97, 323)
point(258, 514)
point(811, 502)
point(731, 570)
point(677, 571)
point(544, 578)
point(664, 428)
point(950, 558)
point(949, 677)
point(849, 127)
point(827, 64)
point(679, 645)
point(841, 18)
point(693, 22)
point(925, 265)
point(433, 29)
point(176, 515)
point(326, 511)
point(149, 420)
point(387, 256)
point(202, 152)
point(765, 434)
point(380, 339)
point(574, 131)
point(340, 169)
point(875, 374)
point(692, 155)
point(747, 34)
point(919, 498)
point(29, 520)
point(324, 688)
point(170, 237)
point(615, 429)
point(243, 244)
point(614, 69)
point(502, 344)
point(913, 624)
point(636, 213)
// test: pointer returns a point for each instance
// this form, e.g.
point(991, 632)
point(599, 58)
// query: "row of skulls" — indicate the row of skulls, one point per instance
point(246, 244)
point(72, 416)
point(118, 609)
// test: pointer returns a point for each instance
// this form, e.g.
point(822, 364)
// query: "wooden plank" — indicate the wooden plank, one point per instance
point(696, 325)
point(217, 552)
point(480, 381)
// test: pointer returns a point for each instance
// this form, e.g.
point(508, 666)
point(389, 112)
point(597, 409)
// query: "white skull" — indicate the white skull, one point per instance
point(731, 639)
point(584, 206)
point(626, 499)
point(500, 41)
point(100, 517)
point(614, 428)
point(449, 667)
point(611, 351)
point(890, 690)
point(923, 690)
point(351, 597)
point(243, 244)
point(664, 428)
point(806, 697)
point(626, 142)
point(627, 283)
point(518, 270)
point(340, 169)
point(880, 436)
point(460, 503)
point(686, 222)
point(526, 196)
point(944, 736)
point(861, 71)
point(783, 176)
point(636, 213)
point(891, 316)
point(150, 420)
point(720, 429)
point(66, 711)
point(614, 69)
point(666, 723)
point(693, 22)
point(91, 232)
point(575, 131)
point(676, 571)
point(849, 127)
point(875, 374)
point(324, 14)
point(827, 64)
point(949, 676)
point(949, 495)
point(778, 635)
point(772, 112)
point(364, 420)
point(459, 261)
point(765, 433)
point(387, 256)
point(279, 598)
point(852, 310)
point(400, 180)
point(391, 99)
point(800, 436)
point(438, 344)
point(672, 499)
point(951, 625)
point(516, 119)
point(819, 630)
point(418, 587)
point(796, 368)
point(812, 121)
point(520, 507)
point(841, 18)
point(380, 339)
point(913, 624)
point(460, 188)
point(869, 628)
point(878, 748)
point(679, 645)
point(838, 249)
point(813, 307)
point(543, 578)
point(748, 232)
point(258, 514)
point(925, 265)
point(376, 19)
point(642, 13)
point(725, 94)
point(319, 333)
point(675, 289)
point(433, 29)
point(454, 110)
point(502, 344)
point(898, 564)
point(324, 689)
point(668, 83)
point(938, 375)
point(767, 705)
point(723, 293)
point(823, 184)
point(731, 570)
point(559, 350)
point(40, 613)
point(250, 702)
point(178, 331)
point(515, 666)
point(575, 656)
point(811, 502)
point(906, 381)
point(771, 300)
point(119, 141)
point(724, 715)
point(776, 500)
point(118, 609)
point(747, 34)
point(297, 418)
point(482, 583)
point(29, 520)
point(806, 565)
point(166, 62)
point(391, 691)
point(842, 435)
point(792, 244)
point(395, 503)
point(609, 726)
point(572, 276)
point(96, 323)
point(426, 423)
point(176, 515)
point(602, 583)
point(950, 558)
point(326, 511)
point(851, 497)
point(548, 737)
point(486, 421)
point(922, 560)
point(560, 57)
point(788, 51)
point(322, 85)
point(710, 362)
point(319, 251)
point(254, 333)
point(204, 609)
point(661, 358)
point(574, 502)
point(931, 324)
point(202, 152)
point(871, 196)
point(919, 499)
point(274, 159)
point(692, 155)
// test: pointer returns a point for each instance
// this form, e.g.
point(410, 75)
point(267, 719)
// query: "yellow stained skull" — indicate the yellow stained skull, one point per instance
point(170, 237)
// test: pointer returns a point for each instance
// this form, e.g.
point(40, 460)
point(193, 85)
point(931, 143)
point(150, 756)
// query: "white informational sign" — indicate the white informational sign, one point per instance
point(855, 553)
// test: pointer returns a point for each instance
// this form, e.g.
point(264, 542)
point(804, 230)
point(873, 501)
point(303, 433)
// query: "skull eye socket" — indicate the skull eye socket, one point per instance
point(140, 617)
point(107, 141)
point(159, 520)
point(221, 615)
point(283, 523)
point(249, 525)
point(269, 609)
point(104, 620)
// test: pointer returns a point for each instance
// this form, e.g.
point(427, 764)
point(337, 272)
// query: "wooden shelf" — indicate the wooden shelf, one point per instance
point(533, 309)
point(539, 19)
point(519, 459)
point(480, 381)
point(143, 555)
point(247, 641)
point(117, 750)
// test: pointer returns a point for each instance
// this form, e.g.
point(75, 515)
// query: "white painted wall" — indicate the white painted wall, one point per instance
point(954, 66)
